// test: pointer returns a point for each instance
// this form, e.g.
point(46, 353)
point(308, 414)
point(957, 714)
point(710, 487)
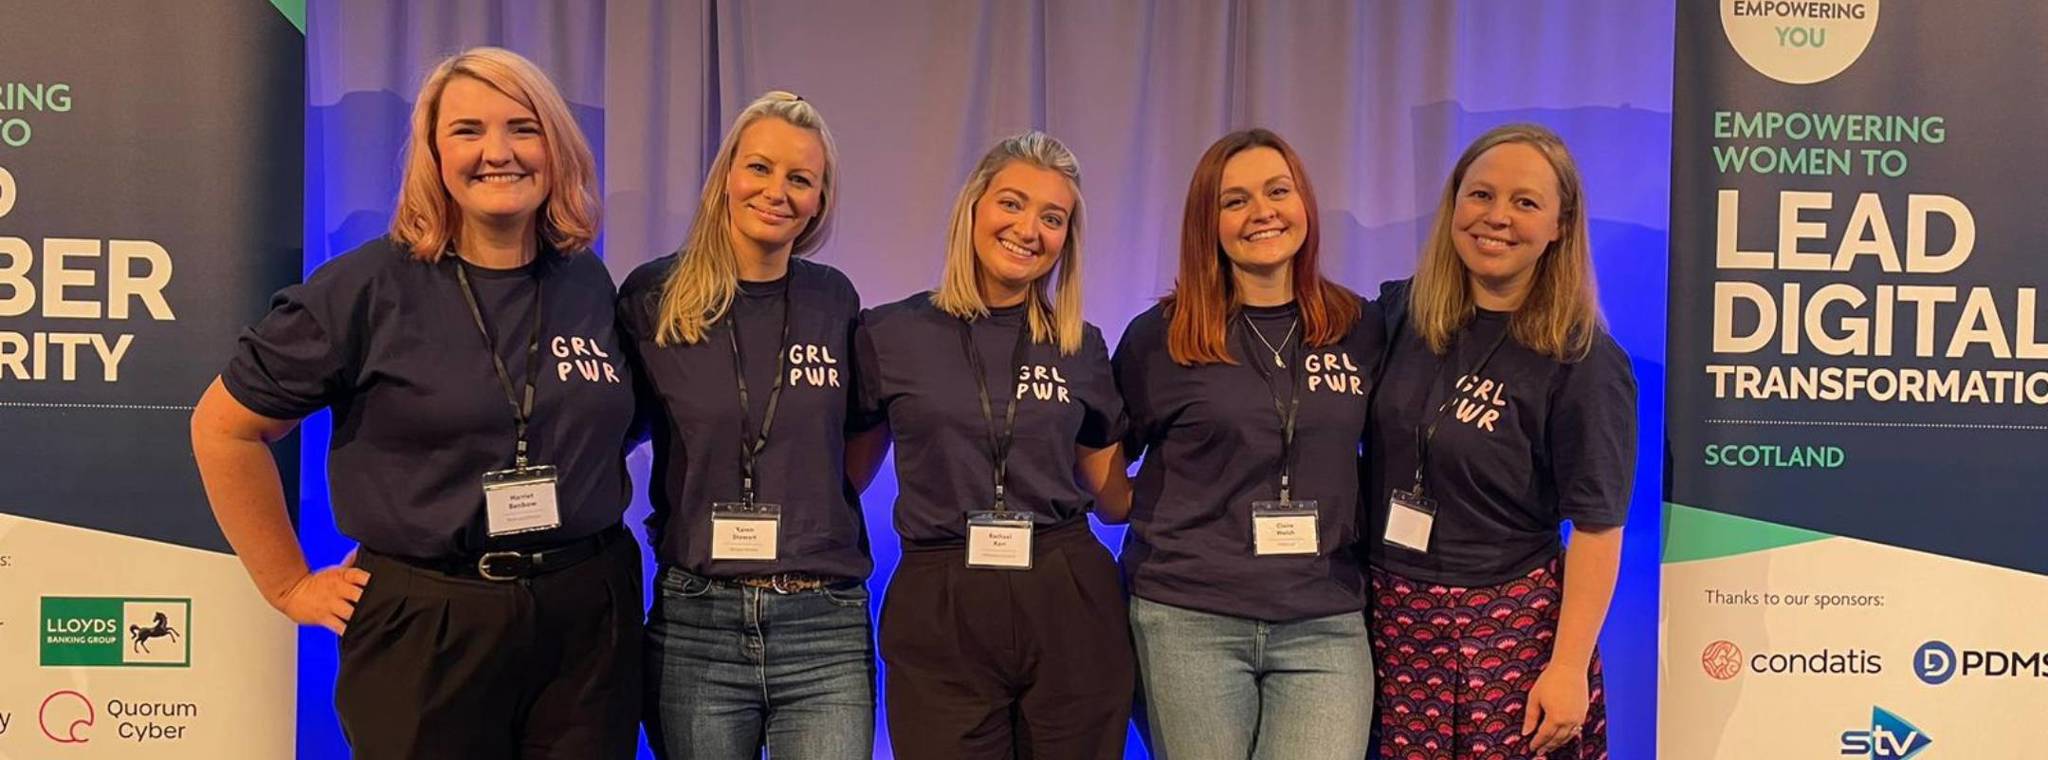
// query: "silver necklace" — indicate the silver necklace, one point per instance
point(1277, 361)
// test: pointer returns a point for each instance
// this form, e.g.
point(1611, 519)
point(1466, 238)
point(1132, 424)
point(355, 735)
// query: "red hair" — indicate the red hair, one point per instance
point(1204, 296)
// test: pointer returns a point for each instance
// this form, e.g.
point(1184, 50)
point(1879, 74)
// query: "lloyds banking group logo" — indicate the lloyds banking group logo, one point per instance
point(80, 631)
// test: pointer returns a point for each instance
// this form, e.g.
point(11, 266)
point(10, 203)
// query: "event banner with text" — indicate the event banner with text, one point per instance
point(151, 165)
point(1858, 382)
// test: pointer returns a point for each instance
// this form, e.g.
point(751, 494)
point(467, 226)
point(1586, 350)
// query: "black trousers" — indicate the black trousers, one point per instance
point(444, 667)
point(1009, 663)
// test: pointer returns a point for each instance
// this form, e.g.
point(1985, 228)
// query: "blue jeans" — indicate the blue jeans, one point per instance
point(1229, 688)
point(733, 670)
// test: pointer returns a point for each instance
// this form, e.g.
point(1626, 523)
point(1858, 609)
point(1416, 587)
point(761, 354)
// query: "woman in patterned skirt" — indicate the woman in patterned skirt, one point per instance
point(1505, 411)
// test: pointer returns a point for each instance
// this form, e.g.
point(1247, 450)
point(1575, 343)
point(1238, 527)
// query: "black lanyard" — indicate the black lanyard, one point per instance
point(522, 405)
point(1426, 432)
point(752, 445)
point(1287, 412)
point(999, 444)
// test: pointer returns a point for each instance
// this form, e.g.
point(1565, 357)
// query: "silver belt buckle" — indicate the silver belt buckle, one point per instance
point(483, 566)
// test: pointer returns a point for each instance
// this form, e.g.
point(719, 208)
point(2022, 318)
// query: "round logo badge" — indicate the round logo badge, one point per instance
point(1799, 42)
point(1935, 663)
point(1722, 660)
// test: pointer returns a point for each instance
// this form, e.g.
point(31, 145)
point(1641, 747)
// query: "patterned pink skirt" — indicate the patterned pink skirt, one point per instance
point(1454, 667)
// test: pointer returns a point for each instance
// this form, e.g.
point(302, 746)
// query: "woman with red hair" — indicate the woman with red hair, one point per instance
point(1246, 388)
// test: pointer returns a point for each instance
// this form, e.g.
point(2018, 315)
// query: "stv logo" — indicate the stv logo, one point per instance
point(1890, 738)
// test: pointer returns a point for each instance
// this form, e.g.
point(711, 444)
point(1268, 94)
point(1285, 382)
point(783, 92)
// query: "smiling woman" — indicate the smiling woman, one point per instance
point(1004, 632)
point(1246, 390)
point(743, 341)
point(488, 516)
point(1504, 400)
point(493, 159)
point(491, 137)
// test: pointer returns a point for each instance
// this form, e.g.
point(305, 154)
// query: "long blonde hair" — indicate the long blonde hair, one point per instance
point(426, 220)
point(1054, 318)
point(706, 275)
point(1561, 313)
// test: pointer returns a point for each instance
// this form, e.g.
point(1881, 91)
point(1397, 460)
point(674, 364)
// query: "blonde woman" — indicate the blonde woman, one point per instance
point(1505, 411)
point(1004, 632)
point(758, 638)
point(480, 410)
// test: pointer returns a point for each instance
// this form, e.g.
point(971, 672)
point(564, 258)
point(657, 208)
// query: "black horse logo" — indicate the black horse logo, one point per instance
point(142, 635)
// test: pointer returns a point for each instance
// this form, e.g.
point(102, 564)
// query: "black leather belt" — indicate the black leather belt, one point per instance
point(524, 563)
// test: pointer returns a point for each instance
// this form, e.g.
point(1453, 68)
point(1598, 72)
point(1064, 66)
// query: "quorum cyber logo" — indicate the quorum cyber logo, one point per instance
point(115, 632)
point(63, 715)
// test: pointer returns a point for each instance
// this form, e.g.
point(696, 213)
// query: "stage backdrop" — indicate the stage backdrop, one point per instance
point(1377, 96)
point(1853, 563)
point(149, 204)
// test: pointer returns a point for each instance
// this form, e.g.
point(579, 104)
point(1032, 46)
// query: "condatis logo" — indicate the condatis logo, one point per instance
point(115, 632)
point(1724, 660)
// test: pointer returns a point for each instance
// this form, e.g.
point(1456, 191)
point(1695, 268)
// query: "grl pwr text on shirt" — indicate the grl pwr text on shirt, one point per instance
point(813, 366)
point(1333, 372)
point(582, 357)
point(1041, 382)
point(1482, 403)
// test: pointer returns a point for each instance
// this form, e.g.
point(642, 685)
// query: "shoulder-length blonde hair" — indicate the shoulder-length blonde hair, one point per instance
point(706, 275)
point(1054, 318)
point(427, 221)
point(1561, 313)
point(1205, 297)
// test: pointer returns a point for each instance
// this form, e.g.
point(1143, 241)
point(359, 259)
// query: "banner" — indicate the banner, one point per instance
point(151, 163)
point(1858, 382)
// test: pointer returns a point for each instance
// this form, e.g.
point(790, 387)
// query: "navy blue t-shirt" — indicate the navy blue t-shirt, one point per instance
point(913, 371)
point(1211, 439)
point(696, 427)
point(389, 344)
point(1530, 442)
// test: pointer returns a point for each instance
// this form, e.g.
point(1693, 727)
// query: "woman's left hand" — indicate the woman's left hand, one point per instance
point(1556, 709)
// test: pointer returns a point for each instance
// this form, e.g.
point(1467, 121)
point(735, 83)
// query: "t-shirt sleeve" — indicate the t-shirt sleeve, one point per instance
point(858, 417)
point(1593, 437)
point(1103, 420)
point(1128, 367)
point(646, 405)
point(296, 360)
point(867, 397)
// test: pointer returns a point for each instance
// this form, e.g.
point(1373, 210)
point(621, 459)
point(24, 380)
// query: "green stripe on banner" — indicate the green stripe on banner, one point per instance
point(294, 11)
point(1692, 533)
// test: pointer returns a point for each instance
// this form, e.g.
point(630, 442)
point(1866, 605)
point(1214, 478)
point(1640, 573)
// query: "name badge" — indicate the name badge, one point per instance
point(520, 500)
point(1409, 519)
point(1283, 528)
point(744, 531)
point(999, 540)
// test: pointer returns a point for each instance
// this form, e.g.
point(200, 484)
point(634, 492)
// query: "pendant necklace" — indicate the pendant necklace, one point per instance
point(1277, 361)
